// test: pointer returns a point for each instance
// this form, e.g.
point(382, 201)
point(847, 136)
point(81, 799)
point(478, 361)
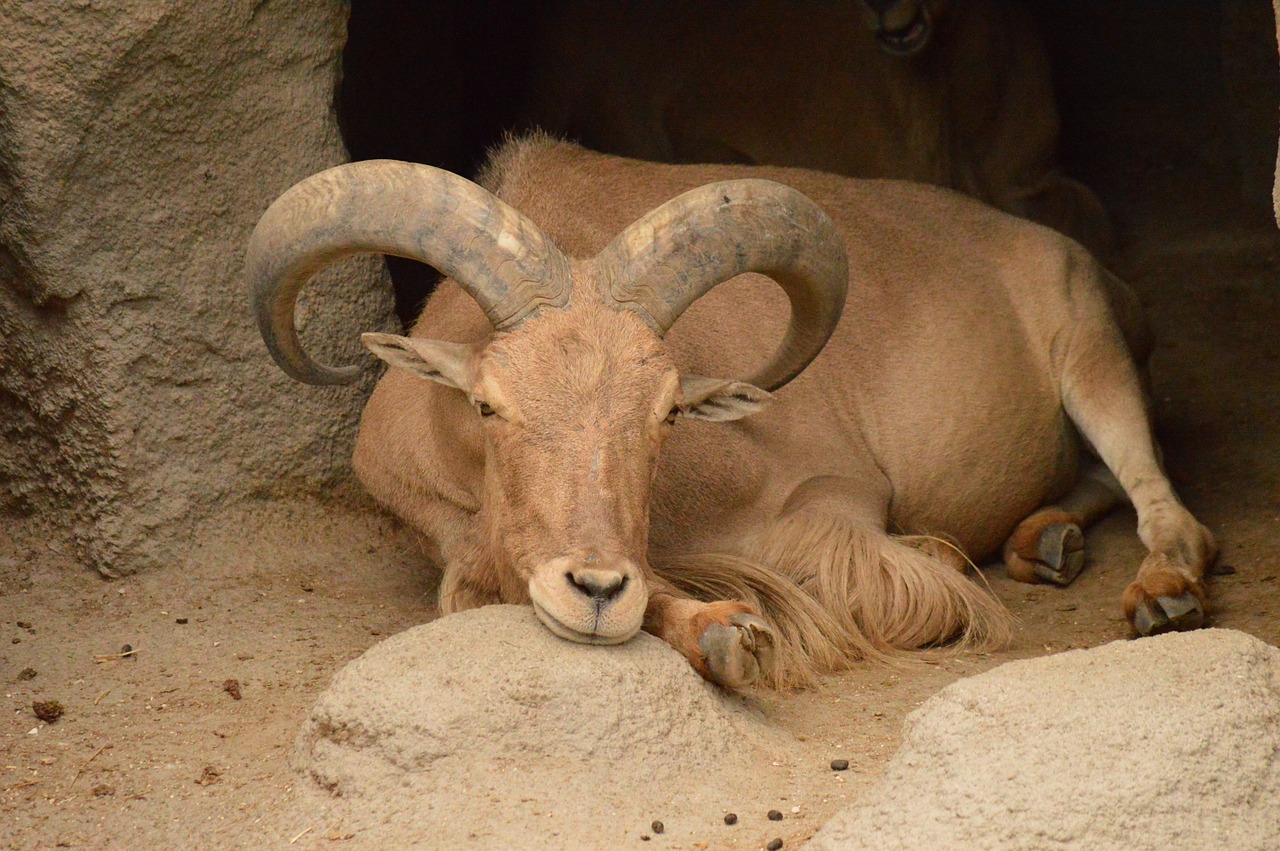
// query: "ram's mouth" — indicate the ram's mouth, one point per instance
point(568, 633)
point(909, 40)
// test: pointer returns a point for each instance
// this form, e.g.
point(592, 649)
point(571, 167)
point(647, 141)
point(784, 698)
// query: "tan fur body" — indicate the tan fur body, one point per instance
point(939, 406)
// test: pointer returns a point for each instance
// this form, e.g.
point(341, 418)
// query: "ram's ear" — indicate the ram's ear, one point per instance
point(720, 399)
point(450, 364)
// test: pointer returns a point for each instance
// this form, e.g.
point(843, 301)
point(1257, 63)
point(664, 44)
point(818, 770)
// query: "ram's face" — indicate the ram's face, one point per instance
point(574, 407)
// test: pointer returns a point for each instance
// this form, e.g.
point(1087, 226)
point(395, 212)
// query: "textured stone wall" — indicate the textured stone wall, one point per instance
point(1275, 186)
point(139, 143)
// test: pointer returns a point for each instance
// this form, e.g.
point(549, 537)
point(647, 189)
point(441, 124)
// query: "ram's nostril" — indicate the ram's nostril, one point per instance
point(600, 585)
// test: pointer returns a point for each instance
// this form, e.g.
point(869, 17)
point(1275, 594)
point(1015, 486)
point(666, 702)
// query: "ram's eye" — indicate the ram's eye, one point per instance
point(485, 410)
point(671, 416)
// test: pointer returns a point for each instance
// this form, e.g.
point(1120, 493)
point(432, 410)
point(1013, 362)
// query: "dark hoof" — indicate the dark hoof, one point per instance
point(1060, 553)
point(740, 653)
point(1169, 614)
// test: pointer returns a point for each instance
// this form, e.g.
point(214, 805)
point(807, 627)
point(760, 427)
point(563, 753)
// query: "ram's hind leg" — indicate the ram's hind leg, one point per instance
point(1103, 396)
point(1049, 545)
point(725, 641)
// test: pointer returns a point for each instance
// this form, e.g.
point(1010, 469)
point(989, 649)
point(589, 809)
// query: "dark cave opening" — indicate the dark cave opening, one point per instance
point(1158, 101)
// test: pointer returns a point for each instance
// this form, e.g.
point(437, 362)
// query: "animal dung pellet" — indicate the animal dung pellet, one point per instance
point(644, 837)
point(774, 844)
point(657, 827)
point(181, 620)
point(839, 765)
point(730, 818)
point(47, 711)
point(774, 815)
point(26, 674)
point(232, 687)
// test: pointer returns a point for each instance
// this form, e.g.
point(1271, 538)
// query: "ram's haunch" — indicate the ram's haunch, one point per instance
point(566, 450)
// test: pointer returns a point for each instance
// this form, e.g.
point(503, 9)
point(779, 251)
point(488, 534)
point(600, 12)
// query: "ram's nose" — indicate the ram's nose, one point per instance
point(592, 598)
point(602, 586)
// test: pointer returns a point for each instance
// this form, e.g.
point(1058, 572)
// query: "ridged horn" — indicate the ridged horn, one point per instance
point(678, 252)
point(501, 258)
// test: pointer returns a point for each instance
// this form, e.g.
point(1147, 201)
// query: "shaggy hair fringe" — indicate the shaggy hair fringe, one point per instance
point(837, 593)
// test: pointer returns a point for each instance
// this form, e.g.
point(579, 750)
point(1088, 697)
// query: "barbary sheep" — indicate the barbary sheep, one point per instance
point(946, 376)
point(957, 94)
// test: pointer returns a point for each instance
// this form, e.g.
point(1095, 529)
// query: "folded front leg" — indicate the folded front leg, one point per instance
point(725, 641)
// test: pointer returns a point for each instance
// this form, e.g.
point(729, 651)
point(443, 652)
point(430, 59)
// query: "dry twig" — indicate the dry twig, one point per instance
point(21, 785)
point(112, 657)
point(85, 764)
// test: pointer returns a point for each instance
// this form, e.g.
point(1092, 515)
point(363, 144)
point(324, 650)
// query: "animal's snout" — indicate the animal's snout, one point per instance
point(592, 598)
point(602, 586)
point(902, 27)
point(894, 15)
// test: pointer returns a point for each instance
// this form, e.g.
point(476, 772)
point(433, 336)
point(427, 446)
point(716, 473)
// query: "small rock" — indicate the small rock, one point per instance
point(657, 827)
point(180, 620)
point(839, 765)
point(774, 815)
point(644, 837)
point(232, 687)
point(47, 710)
point(26, 674)
point(730, 818)
point(24, 624)
point(209, 776)
point(102, 790)
point(774, 844)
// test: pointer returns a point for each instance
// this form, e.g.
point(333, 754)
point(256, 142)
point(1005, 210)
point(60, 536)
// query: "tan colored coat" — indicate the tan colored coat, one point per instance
point(973, 349)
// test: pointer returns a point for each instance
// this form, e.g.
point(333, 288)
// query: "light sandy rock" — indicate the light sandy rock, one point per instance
point(1167, 742)
point(139, 144)
point(483, 729)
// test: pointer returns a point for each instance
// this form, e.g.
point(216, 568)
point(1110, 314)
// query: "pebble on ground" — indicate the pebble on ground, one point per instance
point(47, 710)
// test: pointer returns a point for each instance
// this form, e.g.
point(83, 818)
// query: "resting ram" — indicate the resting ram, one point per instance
point(957, 94)
point(566, 446)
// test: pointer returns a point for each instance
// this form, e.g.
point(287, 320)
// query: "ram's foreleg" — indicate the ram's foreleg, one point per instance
point(1103, 396)
point(726, 641)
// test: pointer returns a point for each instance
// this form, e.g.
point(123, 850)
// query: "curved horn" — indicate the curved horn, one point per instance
point(503, 260)
point(677, 253)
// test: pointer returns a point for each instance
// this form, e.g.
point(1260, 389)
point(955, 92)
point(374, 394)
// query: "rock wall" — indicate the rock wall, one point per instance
point(139, 143)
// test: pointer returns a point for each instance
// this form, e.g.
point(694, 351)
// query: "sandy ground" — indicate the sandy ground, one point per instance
point(154, 749)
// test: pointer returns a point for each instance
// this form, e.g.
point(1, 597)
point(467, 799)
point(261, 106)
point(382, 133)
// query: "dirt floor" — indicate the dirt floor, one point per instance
point(187, 739)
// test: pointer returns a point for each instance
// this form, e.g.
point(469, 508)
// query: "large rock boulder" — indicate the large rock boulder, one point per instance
point(483, 729)
point(1167, 742)
point(139, 143)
